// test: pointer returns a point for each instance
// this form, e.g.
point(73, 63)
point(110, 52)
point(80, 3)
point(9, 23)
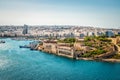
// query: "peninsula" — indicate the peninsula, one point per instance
point(88, 48)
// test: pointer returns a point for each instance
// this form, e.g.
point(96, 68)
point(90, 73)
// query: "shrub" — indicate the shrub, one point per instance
point(87, 39)
point(88, 44)
point(68, 40)
point(117, 56)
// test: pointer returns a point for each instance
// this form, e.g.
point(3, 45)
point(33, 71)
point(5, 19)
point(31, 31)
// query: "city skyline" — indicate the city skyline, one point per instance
point(97, 13)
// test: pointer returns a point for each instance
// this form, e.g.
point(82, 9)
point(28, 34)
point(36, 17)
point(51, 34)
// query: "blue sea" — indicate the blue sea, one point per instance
point(23, 64)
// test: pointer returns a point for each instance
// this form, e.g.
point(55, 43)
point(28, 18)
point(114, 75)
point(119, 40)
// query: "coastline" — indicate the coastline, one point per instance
point(105, 60)
point(87, 59)
point(111, 60)
point(83, 58)
point(44, 61)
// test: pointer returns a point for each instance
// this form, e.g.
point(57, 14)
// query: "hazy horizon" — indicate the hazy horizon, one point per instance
point(96, 13)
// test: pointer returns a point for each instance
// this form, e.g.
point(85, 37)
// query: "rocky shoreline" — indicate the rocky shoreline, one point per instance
point(105, 60)
point(89, 59)
point(111, 60)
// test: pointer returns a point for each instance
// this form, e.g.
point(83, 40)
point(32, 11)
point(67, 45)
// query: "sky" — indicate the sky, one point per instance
point(96, 13)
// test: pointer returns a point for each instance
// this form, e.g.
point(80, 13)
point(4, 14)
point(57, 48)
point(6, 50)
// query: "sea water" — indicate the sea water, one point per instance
point(23, 64)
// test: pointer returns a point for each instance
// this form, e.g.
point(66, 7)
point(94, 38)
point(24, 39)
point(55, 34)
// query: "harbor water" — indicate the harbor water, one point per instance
point(25, 64)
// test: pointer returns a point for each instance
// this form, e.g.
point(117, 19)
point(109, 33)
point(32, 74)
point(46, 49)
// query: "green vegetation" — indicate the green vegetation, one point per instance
point(86, 55)
point(88, 44)
point(97, 44)
point(117, 35)
point(93, 53)
point(98, 51)
point(117, 56)
point(101, 38)
point(68, 40)
point(105, 39)
point(87, 38)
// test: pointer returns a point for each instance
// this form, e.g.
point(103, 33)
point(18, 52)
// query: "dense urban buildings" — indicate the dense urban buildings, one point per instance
point(55, 31)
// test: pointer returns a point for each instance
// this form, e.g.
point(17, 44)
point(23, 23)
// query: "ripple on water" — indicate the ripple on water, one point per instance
point(4, 63)
point(23, 64)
